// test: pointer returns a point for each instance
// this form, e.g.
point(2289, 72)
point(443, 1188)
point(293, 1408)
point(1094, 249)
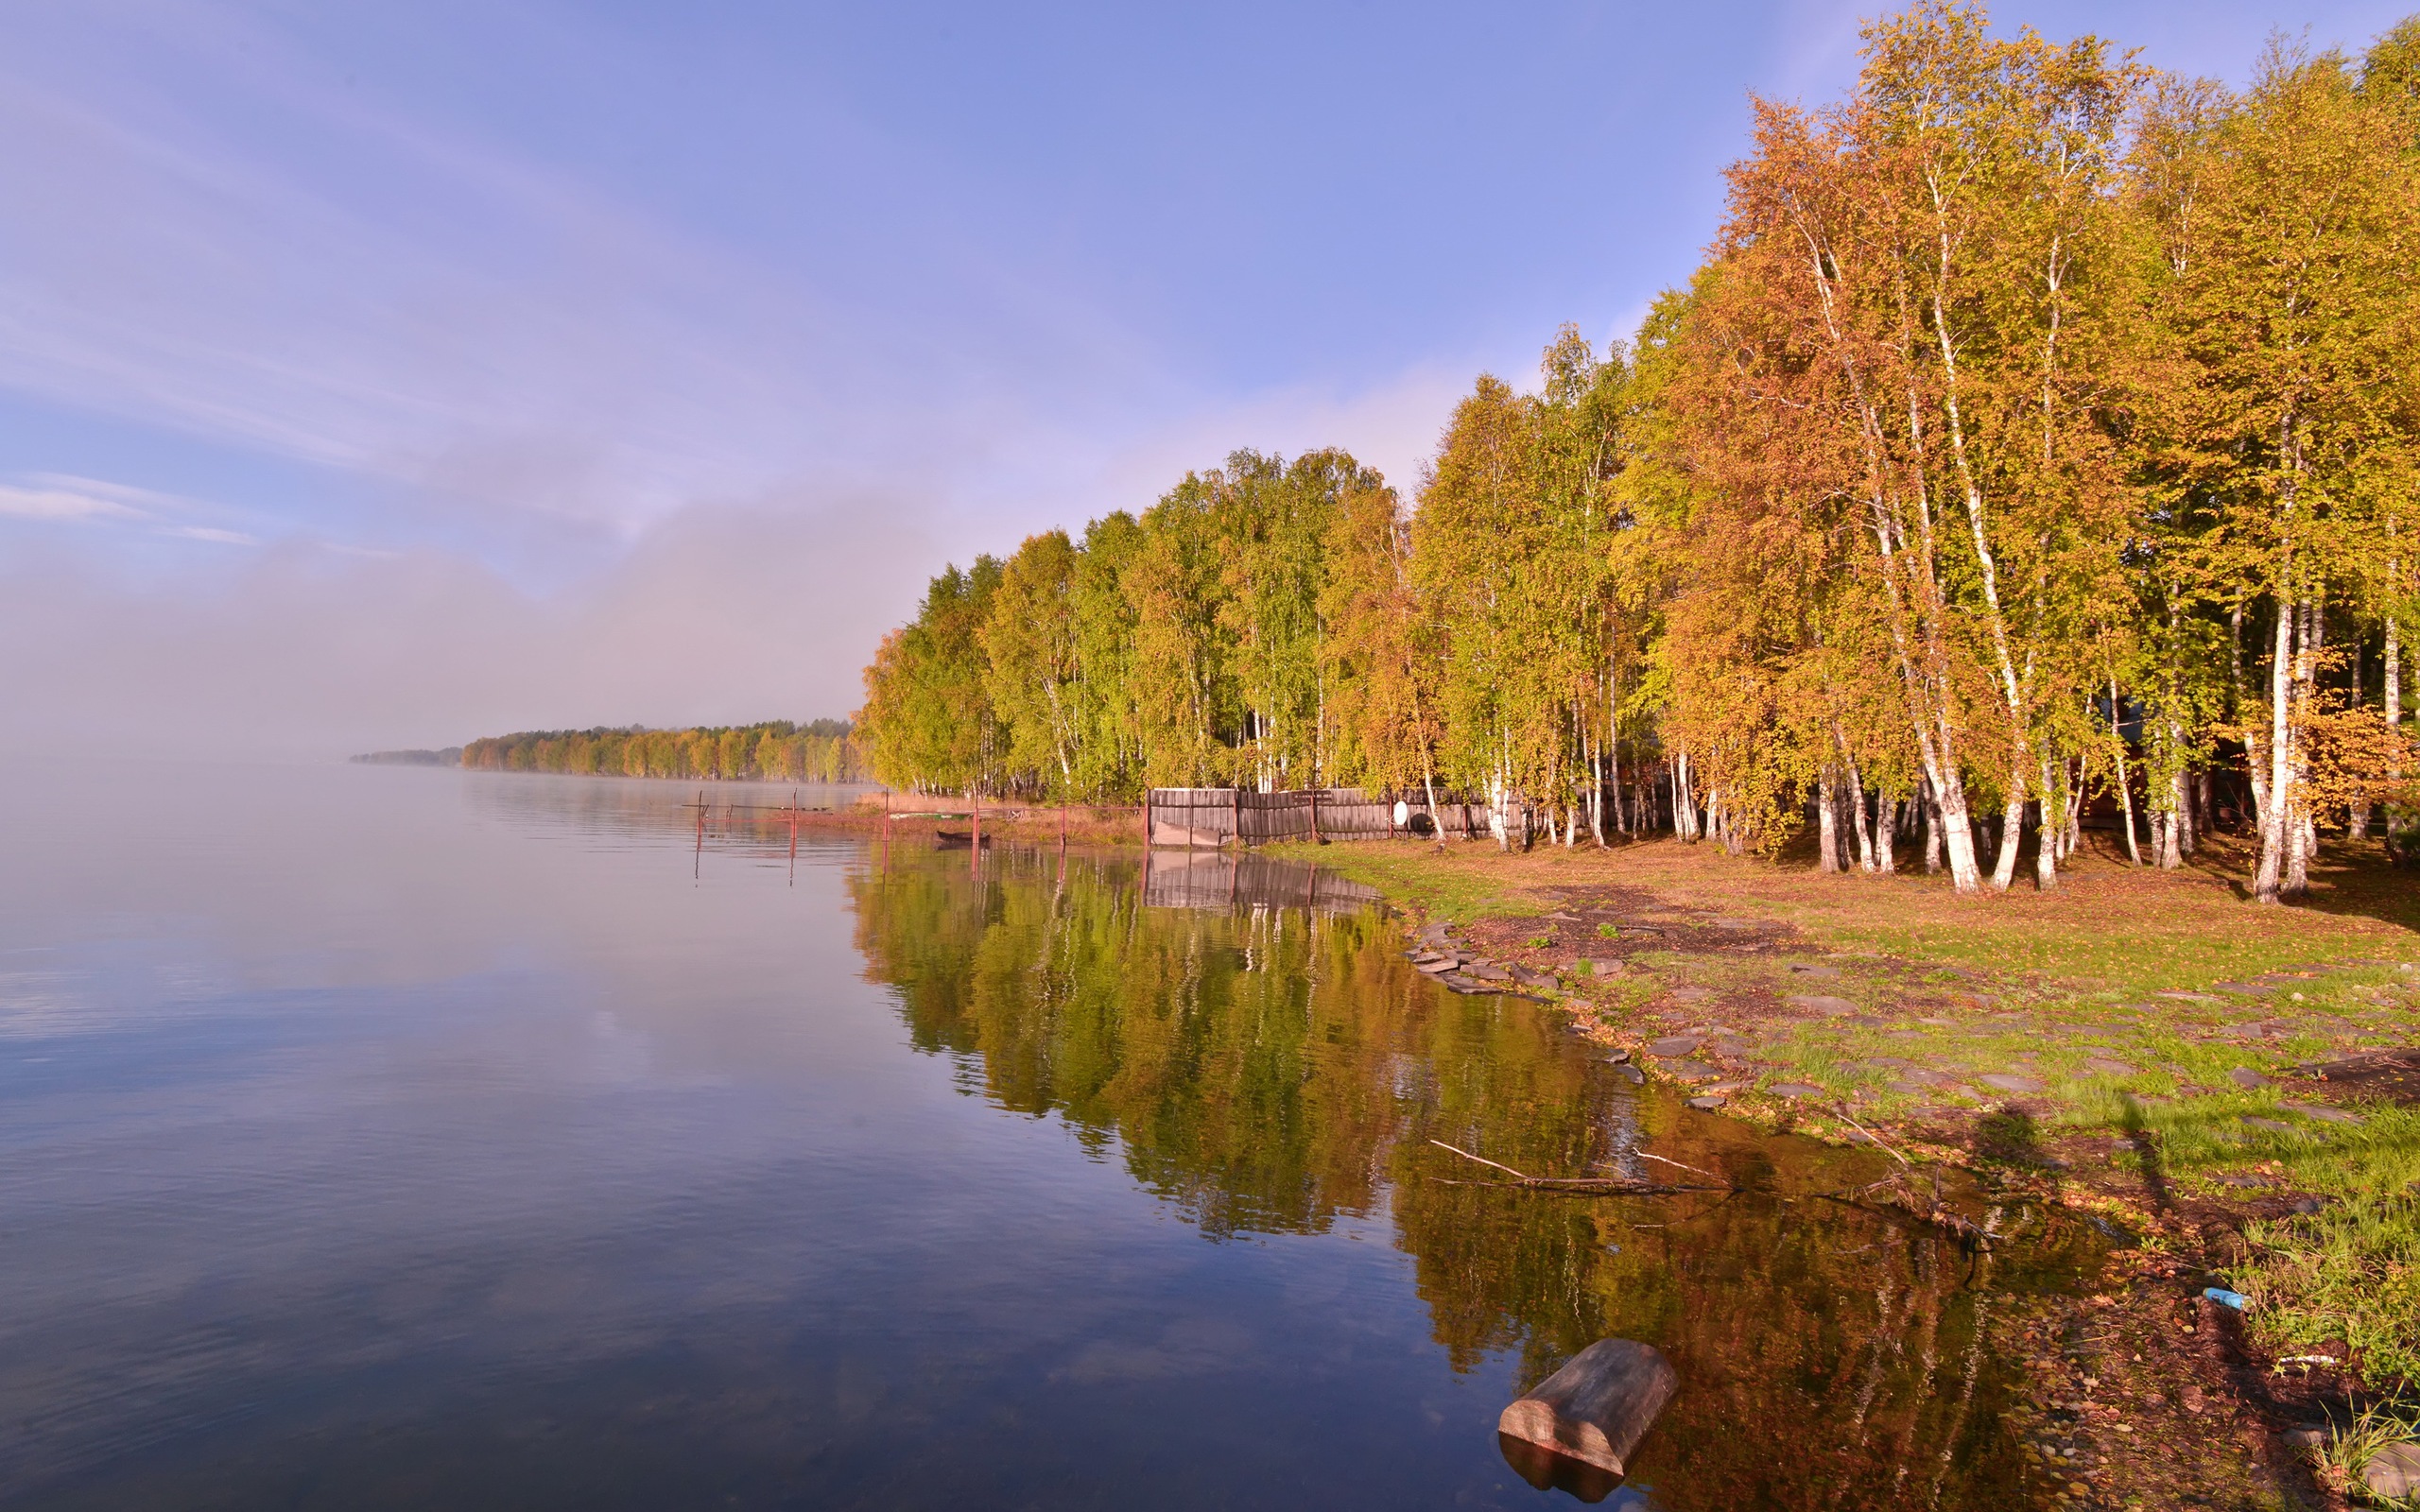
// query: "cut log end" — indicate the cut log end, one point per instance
point(1598, 1407)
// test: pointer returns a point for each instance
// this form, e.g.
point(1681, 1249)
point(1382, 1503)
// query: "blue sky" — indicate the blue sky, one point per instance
point(386, 373)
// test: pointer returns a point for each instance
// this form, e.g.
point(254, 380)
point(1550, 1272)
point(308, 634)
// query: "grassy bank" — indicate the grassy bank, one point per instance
point(2144, 1044)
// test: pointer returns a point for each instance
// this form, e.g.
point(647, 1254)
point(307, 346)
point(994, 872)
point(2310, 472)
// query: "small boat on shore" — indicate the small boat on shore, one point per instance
point(958, 838)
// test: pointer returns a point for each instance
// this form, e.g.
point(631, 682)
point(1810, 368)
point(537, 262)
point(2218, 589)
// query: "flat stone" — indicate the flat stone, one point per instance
point(1679, 1044)
point(1486, 971)
point(1867, 1020)
point(1688, 1071)
point(2241, 989)
point(2011, 1084)
point(1794, 1088)
point(2394, 1471)
point(2247, 1078)
point(1817, 1003)
point(1726, 1088)
point(1530, 978)
point(1708, 1102)
point(2186, 997)
point(2275, 1125)
point(1443, 963)
point(1630, 1073)
point(2324, 1113)
point(1690, 994)
point(2110, 1068)
point(1605, 968)
point(1940, 1024)
point(1906, 1088)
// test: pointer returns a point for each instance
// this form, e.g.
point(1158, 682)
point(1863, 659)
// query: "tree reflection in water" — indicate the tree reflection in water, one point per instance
point(1266, 1069)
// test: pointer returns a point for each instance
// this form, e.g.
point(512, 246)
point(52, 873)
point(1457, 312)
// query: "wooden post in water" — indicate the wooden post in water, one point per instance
point(974, 860)
point(1237, 794)
point(1597, 1407)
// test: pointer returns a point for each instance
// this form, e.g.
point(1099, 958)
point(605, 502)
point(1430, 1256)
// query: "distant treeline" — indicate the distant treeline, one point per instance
point(821, 750)
point(450, 756)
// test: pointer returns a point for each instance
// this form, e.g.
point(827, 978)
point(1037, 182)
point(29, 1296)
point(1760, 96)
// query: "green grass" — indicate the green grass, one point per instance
point(1458, 886)
point(2351, 1271)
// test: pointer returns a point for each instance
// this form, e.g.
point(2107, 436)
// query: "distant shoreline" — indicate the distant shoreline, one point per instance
point(449, 756)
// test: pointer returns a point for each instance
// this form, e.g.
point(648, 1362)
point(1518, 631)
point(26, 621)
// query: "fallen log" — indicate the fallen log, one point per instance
point(1597, 1407)
point(1583, 1185)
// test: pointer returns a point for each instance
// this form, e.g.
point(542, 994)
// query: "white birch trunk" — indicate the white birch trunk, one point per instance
point(2046, 842)
point(2275, 799)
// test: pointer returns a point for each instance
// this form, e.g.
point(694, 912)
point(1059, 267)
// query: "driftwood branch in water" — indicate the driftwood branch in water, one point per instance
point(1843, 1109)
point(1577, 1185)
point(1924, 1209)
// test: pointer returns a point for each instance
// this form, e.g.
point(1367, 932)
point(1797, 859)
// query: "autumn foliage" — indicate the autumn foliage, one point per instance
point(2038, 428)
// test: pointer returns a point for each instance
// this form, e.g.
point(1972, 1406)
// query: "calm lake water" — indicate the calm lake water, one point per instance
point(393, 1138)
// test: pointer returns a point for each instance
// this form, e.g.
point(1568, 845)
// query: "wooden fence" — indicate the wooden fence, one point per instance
point(1210, 817)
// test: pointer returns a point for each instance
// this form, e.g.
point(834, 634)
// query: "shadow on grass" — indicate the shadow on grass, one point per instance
point(2012, 1136)
point(2146, 1144)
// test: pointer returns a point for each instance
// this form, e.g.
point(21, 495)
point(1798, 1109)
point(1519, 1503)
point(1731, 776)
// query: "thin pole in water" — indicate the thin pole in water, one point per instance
point(793, 837)
point(974, 852)
point(698, 861)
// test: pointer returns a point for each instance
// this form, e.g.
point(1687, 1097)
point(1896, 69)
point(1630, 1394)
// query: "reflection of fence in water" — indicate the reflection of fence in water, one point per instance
point(1222, 878)
point(1219, 816)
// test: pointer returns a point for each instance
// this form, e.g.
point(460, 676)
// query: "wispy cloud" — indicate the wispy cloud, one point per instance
point(64, 497)
point(62, 501)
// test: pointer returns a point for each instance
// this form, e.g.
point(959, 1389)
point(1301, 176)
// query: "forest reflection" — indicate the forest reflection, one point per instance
point(1267, 1069)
